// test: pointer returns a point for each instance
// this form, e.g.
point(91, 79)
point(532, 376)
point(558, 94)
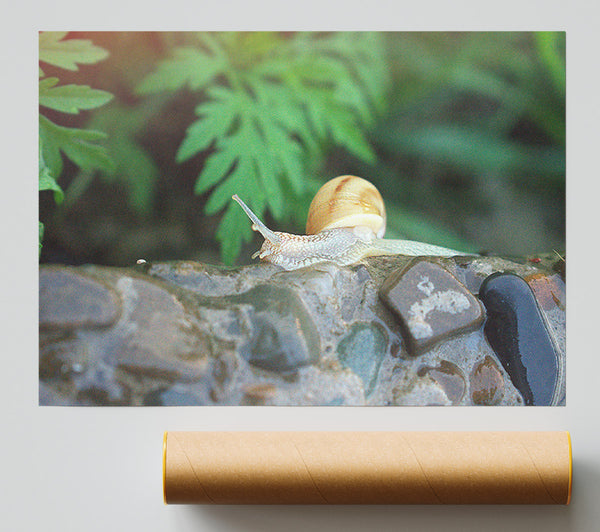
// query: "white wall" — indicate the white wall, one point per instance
point(86, 469)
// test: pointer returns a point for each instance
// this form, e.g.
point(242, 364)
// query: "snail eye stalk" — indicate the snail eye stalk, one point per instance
point(257, 225)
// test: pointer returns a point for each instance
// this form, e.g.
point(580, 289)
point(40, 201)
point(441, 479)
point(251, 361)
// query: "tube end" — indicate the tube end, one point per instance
point(164, 467)
point(570, 468)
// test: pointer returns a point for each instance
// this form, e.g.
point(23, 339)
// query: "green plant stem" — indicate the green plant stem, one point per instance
point(77, 187)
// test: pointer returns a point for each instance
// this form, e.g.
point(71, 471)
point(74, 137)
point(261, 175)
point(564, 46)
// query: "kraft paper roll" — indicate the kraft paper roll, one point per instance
point(367, 467)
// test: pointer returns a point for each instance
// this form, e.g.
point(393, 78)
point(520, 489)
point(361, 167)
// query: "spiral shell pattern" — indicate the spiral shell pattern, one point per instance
point(346, 201)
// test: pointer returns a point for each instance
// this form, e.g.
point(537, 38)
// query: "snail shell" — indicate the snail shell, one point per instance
point(347, 201)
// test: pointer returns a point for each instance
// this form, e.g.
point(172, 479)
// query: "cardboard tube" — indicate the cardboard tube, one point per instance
point(367, 467)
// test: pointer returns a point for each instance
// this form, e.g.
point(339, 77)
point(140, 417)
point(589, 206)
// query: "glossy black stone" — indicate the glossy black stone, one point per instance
point(516, 331)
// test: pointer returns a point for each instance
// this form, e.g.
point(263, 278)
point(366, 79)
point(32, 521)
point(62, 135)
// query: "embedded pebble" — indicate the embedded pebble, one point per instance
point(259, 394)
point(98, 385)
point(431, 304)
point(362, 351)
point(422, 391)
point(48, 395)
point(154, 337)
point(549, 290)
point(449, 377)
point(517, 332)
point(486, 383)
point(173, 396)
point(284, 337)
point(69, 299)
point(210, 280)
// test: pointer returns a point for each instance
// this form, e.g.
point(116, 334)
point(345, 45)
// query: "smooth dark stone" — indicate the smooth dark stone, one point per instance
point(362, 351)
point(431, 304)
point(70, 299)
point(284, 337)
point(516, 331)
point(156, 339)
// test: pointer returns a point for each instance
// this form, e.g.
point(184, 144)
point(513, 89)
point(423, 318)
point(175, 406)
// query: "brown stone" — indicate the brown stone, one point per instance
point(487, 383)
point(430, 303)
point(448, 377)
point(259, 394)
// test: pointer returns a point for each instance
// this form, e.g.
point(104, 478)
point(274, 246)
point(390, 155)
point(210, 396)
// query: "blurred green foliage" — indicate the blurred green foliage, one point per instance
point(514, 77)
point(464, 134)
point(77, 144)
point(476, 118)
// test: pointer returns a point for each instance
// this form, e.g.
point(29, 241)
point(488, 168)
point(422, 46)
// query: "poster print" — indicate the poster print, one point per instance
point(252, 218)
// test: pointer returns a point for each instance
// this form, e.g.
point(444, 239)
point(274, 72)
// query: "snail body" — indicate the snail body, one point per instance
point(346, 222)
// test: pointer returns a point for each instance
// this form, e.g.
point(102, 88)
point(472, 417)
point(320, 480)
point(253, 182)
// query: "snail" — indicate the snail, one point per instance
point(346, 222)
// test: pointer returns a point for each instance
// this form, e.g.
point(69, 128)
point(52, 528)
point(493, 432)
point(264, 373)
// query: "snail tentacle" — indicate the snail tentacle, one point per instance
point(257, 225)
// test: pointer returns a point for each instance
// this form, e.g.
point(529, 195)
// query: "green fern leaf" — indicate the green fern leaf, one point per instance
point(242, 177)
point(77, 144)
point(216, 118)
point(41, 233)
point(68, 54)
point(268, 170)
point(286, 149)
point(189, 66)
point(71, 98)
point(233, 230)
point(548, 45)
point(291, 159)
point(361, 74)
point(346, 133)
point(317, 112)
point(136, 170)
point(46, 181)
point(347, 96)
point(283, 107)
point(372, 70)
point(215, 168)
